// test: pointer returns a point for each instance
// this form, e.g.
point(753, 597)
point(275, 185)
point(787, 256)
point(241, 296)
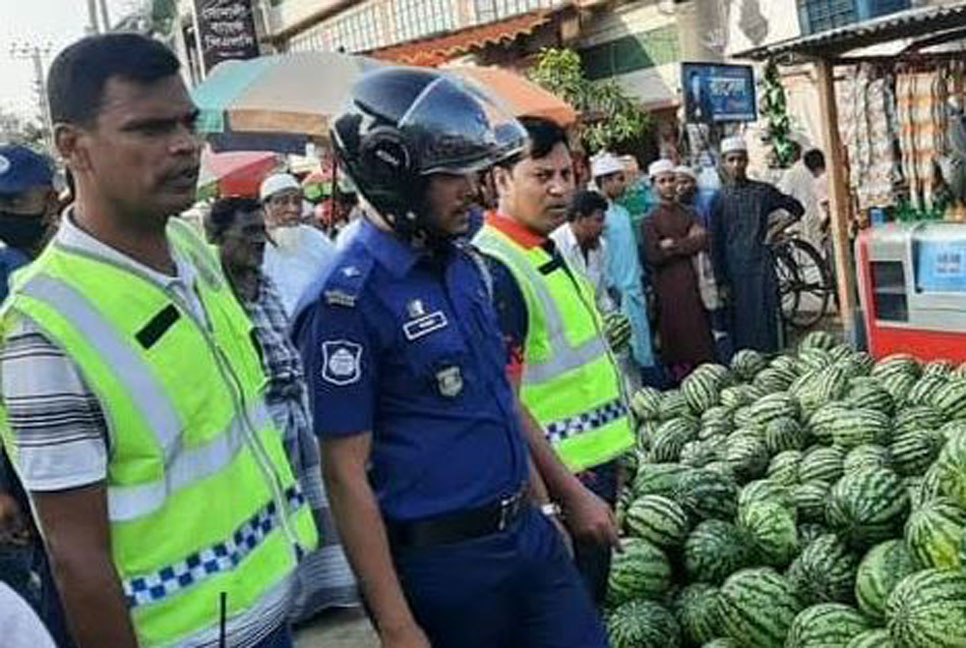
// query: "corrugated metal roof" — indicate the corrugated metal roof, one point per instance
point(912, 23)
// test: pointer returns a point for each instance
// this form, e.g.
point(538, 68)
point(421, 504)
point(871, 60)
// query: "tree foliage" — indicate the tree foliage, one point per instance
point(15, 129)
point(774, 109)
point(609, 116)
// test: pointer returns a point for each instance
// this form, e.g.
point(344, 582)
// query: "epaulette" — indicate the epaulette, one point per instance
point(346, 281)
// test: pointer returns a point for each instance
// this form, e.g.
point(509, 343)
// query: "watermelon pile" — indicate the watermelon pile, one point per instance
point(811, 500)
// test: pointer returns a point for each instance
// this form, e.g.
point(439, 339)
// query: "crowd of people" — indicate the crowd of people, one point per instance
point(417, 400)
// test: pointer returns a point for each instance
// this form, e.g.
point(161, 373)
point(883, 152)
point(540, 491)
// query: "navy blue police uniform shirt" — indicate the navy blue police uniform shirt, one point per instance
point(407, 346)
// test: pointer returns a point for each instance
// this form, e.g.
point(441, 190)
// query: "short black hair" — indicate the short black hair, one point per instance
point(814, 160)
point(223, 214)
point(75, 83)
point(543, 134)
point(584, 204)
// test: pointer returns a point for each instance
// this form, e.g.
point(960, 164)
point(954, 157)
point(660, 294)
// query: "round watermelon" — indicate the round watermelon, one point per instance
point(809, 499)
point(821, 464)
point(785, 434)
point(826, 625)
point(765, 490)
point(714, 550)
point(642, 624)
point(877, 638)
point(784, 467)
point(867, 506)
point(757, 607)
point(747, 362)
point(934, 532)
point(860, 425)
point(928, 610)
point(659, 520)
point(748, 457)
point(646, 403)
point(657, 478)
point(707, 494)
point(696, 610)
point(772, 530)
point(917, 417)
point(640, 571)
point(869, 455)
point(825, 571)
point(950, 469)
point(913, 451)
point(880, 570)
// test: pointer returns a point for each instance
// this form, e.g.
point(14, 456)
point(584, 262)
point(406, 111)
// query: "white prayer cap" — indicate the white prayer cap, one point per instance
point(734, 144)
point(605, 164)
point(276, 183)
point(660, 166)
point(686, 170)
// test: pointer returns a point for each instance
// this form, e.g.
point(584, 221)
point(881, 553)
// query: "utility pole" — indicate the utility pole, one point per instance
point(36, 53)
point(105, 18)
point(92, 27)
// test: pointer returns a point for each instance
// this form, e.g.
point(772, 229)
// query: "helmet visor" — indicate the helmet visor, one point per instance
point(456, 129)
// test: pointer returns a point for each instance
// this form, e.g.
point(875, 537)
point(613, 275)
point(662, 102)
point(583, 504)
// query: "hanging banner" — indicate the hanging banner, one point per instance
point(226, 30)
point(718, 93)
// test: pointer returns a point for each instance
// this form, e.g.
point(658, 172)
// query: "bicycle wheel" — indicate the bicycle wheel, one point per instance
point(815, 285)
point(788, 281)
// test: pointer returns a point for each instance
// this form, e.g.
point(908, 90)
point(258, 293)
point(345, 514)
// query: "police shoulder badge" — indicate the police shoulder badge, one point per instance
point(341, 362)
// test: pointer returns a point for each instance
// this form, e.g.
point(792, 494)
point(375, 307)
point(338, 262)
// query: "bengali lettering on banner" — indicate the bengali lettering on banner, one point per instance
point(226, 30)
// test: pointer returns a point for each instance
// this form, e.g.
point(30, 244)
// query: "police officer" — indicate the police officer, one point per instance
point(425, 457)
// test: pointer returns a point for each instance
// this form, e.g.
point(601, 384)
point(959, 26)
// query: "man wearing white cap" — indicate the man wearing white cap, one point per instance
point(742, 257)
point(299, 253)
point(623, 261)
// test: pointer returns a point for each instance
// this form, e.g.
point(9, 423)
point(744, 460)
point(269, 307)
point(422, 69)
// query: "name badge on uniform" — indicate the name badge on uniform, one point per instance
point(449, 381)
point(341, 362)
point(417, 328)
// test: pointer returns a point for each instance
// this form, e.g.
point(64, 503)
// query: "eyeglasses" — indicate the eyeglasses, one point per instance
point(287, 198)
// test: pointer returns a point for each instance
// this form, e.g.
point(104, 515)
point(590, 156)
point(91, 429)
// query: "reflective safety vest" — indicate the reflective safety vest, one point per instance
point(570, 384)
point(201, 498)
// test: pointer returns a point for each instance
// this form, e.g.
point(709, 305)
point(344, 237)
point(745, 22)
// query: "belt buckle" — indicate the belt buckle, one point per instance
point(507, 506)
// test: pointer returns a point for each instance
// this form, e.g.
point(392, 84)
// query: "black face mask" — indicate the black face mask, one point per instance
point(23, 231)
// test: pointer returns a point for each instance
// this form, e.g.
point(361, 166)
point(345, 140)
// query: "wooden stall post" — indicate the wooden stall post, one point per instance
point(838, 198)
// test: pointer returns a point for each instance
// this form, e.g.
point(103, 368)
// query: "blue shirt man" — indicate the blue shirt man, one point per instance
point(424, 451)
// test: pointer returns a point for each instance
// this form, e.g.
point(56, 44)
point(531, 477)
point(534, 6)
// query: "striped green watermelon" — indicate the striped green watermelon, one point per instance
point(913, 451)
point(757, 607)
point(747, 362)
point(950, 428)
point(928, 610)
point(646, 403)
point(825, 571)
point(784, 363)
point(714, 428)
point(775, 406)
point(646, 432)
point(841, 352)
point(899, 385)
point(826, 625)
point(772, 530)
point(814, 359)
point(950, 469)
point(748, 455)
point(717, 413)
point(642, 624)
point(659, 520)
point(785, 434)
point(701, 390)
point(926, 389)
point(821, 464)
point(818, 340)
point(941, 367)
point(823, 386)
point(701, 453)
point(863, 359)
point(852, 367)
point(917, 417)
point(820, 422)
point(809, 498)
point(714, 550)
point(934, 532)
point(773, 379)
point(640, 570)
point(740, 395)
point(876, 638)
point(867, 506)
point(696, 610)
point(742, 417)
point(880, 570)
point(784, 467)
point(670, 438)
point(673, 404)
point(764, 490)
point(869, 392)
point(861, 425)
point(722, 468)
point(707, 494)
point(868, 455)
point(721, 642)
point(928, 487)
point(657, 478)
point(903, 363)
point(950, 399)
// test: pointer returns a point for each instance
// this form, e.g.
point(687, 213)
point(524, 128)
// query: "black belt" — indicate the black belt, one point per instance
point(461, 526)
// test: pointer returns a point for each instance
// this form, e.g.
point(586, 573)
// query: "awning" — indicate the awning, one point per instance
point(913, 23)
point(435, 51)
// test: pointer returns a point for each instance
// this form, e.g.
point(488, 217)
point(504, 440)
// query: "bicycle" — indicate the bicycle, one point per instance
point(805, 283)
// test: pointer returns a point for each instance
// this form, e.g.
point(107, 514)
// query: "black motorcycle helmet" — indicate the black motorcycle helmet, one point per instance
point(405, 124)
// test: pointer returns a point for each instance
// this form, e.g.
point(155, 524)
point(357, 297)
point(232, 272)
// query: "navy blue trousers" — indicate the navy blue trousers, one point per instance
point(515, 589)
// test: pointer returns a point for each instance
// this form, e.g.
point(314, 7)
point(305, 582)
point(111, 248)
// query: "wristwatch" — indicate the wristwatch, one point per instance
point(551, 509)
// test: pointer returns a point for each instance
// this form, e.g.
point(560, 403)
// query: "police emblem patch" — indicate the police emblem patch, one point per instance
point(449, 381)
point(341, 362)
point(4, 164)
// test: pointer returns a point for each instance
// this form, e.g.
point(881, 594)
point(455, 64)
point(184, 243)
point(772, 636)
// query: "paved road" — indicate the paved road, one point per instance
point(337, 629)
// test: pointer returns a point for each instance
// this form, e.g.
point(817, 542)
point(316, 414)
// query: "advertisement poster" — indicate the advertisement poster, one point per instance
point(718, 93)
point(226, 30)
